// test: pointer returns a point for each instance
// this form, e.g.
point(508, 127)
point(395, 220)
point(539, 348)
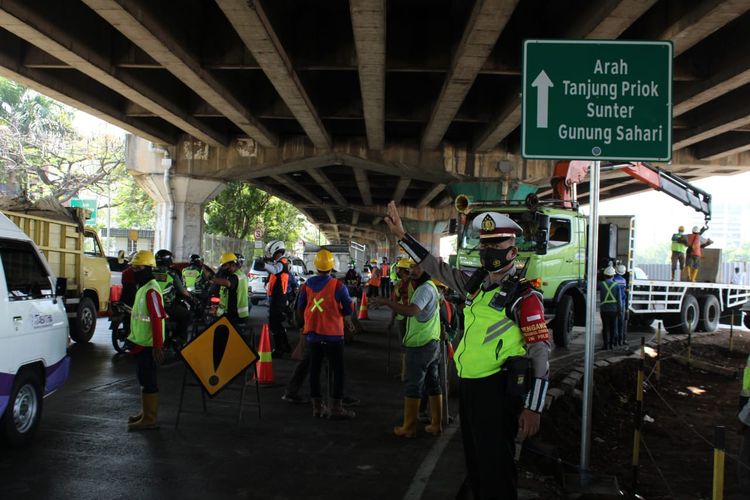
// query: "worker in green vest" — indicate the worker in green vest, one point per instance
point(610, 307)
point(679, 245)
point(422, 346)
point(147, 336)
point(502, 358)
point(193, 274)
point(233, 301)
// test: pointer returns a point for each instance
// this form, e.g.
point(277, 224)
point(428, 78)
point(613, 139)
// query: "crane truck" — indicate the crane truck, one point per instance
point(554, 243)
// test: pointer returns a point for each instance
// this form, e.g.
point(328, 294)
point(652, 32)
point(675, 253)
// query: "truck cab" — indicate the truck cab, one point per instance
point(33, 334)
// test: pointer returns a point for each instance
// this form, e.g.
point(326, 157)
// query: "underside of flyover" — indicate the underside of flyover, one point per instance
point(340, 106)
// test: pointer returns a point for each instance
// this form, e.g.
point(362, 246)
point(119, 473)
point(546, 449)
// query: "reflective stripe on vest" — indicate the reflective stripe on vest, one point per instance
point(322, 311)
point(190, 276)
point(140, 322)
point(419, 333)
point(284, 282)
point(677, 246)
point(609, 297)
point(490, 338)
point(166, 284)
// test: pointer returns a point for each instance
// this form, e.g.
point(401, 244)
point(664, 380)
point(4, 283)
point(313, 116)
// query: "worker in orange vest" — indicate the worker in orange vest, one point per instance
point(373, 287)
point(695, 244)
point(279, 286)
point(385, 278)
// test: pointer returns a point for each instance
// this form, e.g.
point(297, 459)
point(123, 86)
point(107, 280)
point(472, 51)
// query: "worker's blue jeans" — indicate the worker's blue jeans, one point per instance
point(422, 370)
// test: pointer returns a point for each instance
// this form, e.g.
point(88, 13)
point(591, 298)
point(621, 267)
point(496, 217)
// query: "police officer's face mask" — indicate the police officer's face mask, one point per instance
point(494, 259)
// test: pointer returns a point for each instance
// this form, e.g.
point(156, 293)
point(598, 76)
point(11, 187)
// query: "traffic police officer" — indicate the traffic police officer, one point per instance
point(147, 336)
point(505, 337)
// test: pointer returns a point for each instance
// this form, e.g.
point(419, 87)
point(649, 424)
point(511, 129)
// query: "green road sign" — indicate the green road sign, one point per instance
point(597, 100)
point(89, 205)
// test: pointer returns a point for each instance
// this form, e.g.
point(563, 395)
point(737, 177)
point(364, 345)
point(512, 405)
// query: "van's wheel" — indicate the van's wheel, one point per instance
point(709, 317)
point(564, 320)
point(82, 329)
point(686, 320)
point(254, 301)
point(746, 320)
point(24, 409)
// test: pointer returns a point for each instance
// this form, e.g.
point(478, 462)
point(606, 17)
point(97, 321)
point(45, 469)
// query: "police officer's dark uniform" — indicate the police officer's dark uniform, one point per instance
point(505, 334)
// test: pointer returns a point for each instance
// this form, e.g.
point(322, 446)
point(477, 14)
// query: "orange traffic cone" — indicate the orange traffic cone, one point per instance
point(363, 307)
point(264, 367)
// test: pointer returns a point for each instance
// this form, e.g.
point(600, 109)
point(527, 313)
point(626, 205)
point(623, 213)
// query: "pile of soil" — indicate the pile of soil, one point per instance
point(681, 409)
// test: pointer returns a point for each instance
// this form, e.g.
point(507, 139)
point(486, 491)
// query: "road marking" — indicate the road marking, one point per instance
point(427, 466)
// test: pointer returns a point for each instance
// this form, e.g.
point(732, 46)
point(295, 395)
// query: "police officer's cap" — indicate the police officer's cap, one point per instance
point(494, 225)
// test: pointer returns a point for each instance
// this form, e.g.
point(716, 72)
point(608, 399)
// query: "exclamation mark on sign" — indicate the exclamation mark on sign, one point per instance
point(221, 337)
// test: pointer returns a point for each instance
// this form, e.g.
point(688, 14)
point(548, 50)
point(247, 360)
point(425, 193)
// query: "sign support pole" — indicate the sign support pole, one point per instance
point(591, 268)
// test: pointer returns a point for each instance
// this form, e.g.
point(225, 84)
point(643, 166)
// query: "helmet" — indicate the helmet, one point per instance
point(195, 259)
point(227, 257)
point(681, 229)
point(121, 257)
point(163, 258)
point(143, 258)
point(275, 246)
point(324, 260)
point(439, 283)
point(621, 269)
point(696, 229)
point(405, 264)
point(240, 258)
point(373, 261)
point(609, 271)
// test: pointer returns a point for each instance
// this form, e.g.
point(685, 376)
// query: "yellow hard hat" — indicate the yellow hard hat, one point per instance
point(143, 258)
point(405, 264)
point(681, 228)
point(439, 283)
point(324, 260)
point(227, 257)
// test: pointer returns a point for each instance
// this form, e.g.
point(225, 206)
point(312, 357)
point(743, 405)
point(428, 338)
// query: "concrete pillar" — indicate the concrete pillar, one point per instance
point(185, 212)
point(427, 233)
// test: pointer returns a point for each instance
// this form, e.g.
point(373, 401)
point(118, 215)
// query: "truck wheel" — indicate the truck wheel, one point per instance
point(254, 301)
point(563, 322)
point(686, 320)
point(24, 409)
point(746, 319)
point(82, 329)
point(709, 318)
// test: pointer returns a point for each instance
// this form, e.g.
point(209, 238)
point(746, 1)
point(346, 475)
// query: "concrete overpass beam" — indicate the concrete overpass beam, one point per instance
point(368, 24)
point(254, 28)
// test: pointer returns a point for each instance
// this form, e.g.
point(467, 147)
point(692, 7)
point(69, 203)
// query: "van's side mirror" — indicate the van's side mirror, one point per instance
point(61, 287)
point(542, 233)
point(453, 226)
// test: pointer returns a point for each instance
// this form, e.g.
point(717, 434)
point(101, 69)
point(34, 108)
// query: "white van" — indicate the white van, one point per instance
point(33, 334)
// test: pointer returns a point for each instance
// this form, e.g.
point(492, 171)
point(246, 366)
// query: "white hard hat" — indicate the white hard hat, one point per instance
point(495, 225)
point(621, 269)
point(609, 271)
point(275, 246)
point(696, 229)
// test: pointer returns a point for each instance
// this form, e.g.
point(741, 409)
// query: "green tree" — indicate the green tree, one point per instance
point(134, 209)
point(240, 208)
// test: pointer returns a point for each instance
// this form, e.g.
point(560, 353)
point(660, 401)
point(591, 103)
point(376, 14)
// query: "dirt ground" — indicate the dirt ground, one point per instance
point(681, 411)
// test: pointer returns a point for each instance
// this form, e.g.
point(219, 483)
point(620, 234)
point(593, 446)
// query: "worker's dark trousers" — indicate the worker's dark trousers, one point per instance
point(146, 370)
point(609, 325)
point(385, 287)
point(275, 324)
point(300, 371)
point(489, 423)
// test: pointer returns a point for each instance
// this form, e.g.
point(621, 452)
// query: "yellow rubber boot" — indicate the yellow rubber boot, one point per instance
point(135, 418)
point(409, 428)
point(436, 414)
point(150, 410)
point(694, 275)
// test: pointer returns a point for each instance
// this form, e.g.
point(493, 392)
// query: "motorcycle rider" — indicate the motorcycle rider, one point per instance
point(353, 281)
point(173, 288)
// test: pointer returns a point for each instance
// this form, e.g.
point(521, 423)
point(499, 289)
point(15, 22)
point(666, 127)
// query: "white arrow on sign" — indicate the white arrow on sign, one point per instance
point(542, 83)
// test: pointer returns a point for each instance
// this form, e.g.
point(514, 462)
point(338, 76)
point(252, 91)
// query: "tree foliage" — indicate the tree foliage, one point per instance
point(241, 208)
point(134, 208)
point(41, 154)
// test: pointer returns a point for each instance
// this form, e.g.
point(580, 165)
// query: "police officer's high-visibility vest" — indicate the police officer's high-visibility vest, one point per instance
point(190, 275)
point(281, 277)
point(490, 338)
point(609, 288)
point(419, 333)
point(140, 322)
point(243, 310)
point(677, 245)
